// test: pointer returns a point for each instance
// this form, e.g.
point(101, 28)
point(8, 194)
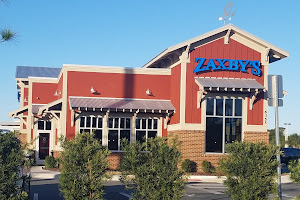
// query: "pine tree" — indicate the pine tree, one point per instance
point(12, 158)
point(84, 162)
point(250, 169)
point(154, 166)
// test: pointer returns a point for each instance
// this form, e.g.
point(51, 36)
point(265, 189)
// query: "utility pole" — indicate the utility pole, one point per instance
point(275, 93)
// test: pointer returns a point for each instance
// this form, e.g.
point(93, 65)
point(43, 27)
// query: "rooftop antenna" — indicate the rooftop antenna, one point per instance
point(227, 13)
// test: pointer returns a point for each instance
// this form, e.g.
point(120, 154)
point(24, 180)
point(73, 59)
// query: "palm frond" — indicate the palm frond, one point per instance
point(7, 34)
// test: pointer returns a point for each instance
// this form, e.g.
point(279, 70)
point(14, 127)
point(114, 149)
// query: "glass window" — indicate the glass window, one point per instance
point(94, 122)
point(91, 124)
point(141, 136)
point(88, 122)
point(40, 125)
point(233, 130)
point(228, 107)
point(48, 125)
point(219, 107)
point(99, 122)
point(118, 129)
point(223, 127)
point(210, 106)
point(148, 129)
point(238, 107)
point(137, 123)
point(113, 140)
point(214, 127)
point(44, 125)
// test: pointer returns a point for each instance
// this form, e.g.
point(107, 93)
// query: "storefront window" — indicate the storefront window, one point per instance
point(223, 123)
point(145, 128)
point(118, 129)
point(89, 124)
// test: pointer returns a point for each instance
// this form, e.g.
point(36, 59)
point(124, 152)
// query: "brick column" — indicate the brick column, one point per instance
point(256, 137)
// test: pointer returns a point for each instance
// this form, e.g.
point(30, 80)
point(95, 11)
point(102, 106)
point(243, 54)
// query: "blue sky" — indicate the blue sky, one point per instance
point(130, 33)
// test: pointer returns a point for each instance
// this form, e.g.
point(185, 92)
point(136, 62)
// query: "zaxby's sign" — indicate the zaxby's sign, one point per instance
point(227, 64)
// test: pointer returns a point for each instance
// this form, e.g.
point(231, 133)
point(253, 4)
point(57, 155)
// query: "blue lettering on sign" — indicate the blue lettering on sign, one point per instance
point(228, 64)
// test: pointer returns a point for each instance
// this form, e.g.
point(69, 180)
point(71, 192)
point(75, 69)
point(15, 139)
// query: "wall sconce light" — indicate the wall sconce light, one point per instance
point(26, 99)
point(94, 91)
point(148, 92)
point(57, 92)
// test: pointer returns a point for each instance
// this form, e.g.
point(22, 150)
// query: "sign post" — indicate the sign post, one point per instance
point(275, 93)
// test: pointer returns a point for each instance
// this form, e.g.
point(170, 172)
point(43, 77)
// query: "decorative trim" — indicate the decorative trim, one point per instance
point(255, 128)
point(190, 127)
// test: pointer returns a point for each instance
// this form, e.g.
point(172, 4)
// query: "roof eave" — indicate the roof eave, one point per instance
point(280, 53)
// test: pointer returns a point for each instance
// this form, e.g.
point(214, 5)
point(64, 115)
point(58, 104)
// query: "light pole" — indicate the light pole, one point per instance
point(286, 131)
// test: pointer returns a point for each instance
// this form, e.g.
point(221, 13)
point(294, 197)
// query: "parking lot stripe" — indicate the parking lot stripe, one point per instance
point(126, 195)
point(35, 196)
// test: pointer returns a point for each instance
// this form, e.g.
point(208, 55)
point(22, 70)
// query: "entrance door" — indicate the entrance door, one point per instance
point(43, 145)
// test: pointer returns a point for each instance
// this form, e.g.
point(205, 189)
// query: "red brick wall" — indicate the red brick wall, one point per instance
point(256, 137)
point(56, 154)
point(193, 147)
point(23, 138)
point(114, 160)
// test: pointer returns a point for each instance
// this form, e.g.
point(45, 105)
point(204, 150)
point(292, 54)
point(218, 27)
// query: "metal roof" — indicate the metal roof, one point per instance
point(56, 105)
point(122, 104)
point(25, 72)
point(228, 83)
point(35, 108)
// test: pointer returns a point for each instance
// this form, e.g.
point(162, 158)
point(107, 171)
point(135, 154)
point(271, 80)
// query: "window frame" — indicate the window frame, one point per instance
point(44, 125)
point(224, 117)
point(119, 129)
point(91, 128)
point(131, 116)
point(147, 127)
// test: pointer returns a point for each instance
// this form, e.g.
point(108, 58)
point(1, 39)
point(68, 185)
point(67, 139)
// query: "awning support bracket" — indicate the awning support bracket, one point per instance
point(252, 98)
point(226, 38)
point(167, 118)
point(200, 96)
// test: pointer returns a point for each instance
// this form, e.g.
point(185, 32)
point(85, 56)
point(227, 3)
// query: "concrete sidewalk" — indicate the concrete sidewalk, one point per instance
point(38, 173)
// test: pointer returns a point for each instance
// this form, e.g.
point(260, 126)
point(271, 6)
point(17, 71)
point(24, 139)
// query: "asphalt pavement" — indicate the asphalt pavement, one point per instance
point(44, 186)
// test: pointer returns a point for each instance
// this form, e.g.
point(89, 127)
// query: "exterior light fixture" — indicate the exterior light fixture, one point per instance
point(148, 92)
point(57, 92)
point(93, 91)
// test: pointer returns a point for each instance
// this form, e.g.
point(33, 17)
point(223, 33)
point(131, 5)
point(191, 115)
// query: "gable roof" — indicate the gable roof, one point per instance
point(220, 32)
point(25, 72)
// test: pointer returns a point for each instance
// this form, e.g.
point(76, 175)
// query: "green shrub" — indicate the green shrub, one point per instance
point(250, 169)
point(12, 158)
point(84, 162)
point(156, 173)
point(294, 167)
point(50, 162)
point(186, 165)
point(207, 167)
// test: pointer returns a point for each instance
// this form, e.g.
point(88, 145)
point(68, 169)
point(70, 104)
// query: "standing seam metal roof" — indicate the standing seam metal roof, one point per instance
point(229, 83)
point(25, 72)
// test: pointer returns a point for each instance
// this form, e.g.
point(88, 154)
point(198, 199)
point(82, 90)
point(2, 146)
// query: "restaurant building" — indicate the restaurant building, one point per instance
point(208, 91)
